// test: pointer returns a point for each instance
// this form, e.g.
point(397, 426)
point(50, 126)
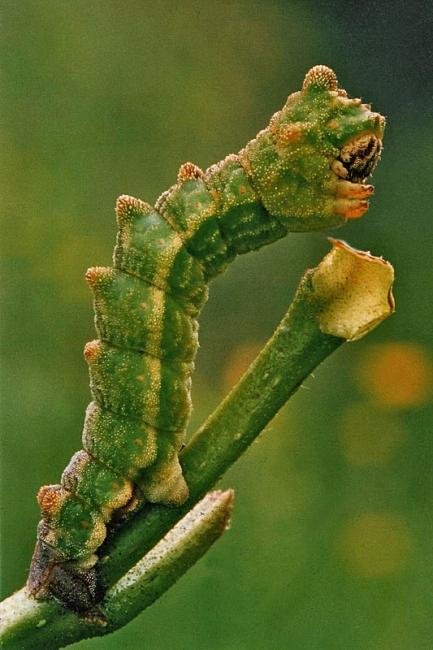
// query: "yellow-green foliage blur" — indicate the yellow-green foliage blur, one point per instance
point(331, 543)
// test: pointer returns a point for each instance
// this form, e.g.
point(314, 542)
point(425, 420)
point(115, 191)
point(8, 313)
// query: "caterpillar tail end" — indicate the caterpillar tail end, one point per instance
point(51, 575)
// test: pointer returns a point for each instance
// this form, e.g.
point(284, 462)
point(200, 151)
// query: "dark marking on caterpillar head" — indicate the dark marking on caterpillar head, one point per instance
point(359, 157)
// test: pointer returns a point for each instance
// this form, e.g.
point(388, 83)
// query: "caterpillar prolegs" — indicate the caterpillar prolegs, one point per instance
point(305, 171)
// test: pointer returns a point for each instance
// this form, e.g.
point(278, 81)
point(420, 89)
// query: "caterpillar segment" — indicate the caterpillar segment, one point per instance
point(306, 171)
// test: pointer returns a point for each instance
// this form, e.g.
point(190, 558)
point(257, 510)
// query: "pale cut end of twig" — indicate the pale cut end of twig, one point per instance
point(355, 290)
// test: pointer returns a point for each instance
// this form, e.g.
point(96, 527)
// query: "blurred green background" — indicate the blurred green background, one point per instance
point(331, 542)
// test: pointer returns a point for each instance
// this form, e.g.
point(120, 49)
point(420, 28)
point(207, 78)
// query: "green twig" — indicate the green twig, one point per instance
point(342, 299)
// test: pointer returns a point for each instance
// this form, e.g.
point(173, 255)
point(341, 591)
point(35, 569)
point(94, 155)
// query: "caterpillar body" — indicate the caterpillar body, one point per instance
point(305, 171)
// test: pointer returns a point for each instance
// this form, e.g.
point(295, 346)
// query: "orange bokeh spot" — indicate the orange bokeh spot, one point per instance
point(238, 361)
point(397, 374)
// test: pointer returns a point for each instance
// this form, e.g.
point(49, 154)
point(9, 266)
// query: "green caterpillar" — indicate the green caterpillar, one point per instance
point(305, 171)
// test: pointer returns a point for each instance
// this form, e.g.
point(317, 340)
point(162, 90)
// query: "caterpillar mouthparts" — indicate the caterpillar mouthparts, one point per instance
point(359, 157)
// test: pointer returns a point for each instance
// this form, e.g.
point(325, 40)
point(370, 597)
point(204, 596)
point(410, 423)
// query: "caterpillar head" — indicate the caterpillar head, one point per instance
point(312, 163)
point(348, 124)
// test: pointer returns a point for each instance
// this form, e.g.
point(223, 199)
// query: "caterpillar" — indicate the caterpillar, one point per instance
point(305, 171)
